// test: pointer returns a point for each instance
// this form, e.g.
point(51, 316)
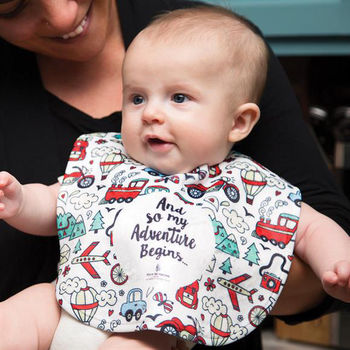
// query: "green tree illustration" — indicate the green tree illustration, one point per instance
point(226, 266)
point(77, 247)
point(252, 255)
point(97, 222)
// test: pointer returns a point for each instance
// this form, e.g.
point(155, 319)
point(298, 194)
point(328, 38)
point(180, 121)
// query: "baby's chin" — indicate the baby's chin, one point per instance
point(171, 170)
point(166, 166)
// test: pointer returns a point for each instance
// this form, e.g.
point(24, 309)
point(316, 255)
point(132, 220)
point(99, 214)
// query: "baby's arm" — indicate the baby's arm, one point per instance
point(30, 208)
point(325, 246)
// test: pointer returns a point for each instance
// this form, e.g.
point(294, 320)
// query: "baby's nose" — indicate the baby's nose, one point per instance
point(153, 114)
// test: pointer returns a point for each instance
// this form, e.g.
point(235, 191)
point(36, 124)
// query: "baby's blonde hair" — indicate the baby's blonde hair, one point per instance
point(247, 53)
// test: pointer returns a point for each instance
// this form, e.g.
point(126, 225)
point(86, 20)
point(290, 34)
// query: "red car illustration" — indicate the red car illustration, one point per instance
point(177, 328)
point(198, 190)
point(120, 194)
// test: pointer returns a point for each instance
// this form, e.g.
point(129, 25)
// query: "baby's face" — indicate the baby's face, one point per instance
point(177, 112)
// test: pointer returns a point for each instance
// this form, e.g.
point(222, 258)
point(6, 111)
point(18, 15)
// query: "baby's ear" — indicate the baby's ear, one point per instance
point(244, 119)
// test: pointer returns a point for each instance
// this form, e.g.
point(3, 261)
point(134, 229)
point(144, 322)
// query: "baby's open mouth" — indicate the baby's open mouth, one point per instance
point(155, 141)
point(159, 145)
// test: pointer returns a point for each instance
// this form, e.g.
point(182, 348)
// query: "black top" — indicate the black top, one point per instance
point(37, 131)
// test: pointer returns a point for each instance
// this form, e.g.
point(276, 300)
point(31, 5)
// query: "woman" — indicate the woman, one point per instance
point(61, 77)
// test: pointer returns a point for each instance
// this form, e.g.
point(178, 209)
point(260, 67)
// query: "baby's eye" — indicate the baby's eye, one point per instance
point(179, 98)
point(137, 99)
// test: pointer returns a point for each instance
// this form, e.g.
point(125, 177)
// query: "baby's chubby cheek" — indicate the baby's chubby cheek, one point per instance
point(127, 140)
point(133, 149)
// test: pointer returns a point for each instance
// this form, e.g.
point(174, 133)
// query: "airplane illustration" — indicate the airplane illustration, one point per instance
point(234, 288)
point(85, 259)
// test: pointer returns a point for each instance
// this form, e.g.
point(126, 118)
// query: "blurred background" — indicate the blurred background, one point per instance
point(312, 40)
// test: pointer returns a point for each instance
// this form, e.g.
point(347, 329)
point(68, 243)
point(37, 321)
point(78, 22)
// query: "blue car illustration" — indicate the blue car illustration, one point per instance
point(296, 198)
point(134, 305)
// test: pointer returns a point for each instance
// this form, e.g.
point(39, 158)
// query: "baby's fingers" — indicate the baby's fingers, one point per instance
point(2, 205)
point(333, 287)
point(329, 279)
point(2, 194)
point(342, 269)
point(4, 178)
point(9, 186)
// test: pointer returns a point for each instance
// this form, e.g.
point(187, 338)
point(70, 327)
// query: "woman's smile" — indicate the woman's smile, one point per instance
point(77, 31)
point(80, 29)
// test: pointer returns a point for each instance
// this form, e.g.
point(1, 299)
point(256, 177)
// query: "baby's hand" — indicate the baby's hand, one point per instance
point(337, 282)
point(11, 196)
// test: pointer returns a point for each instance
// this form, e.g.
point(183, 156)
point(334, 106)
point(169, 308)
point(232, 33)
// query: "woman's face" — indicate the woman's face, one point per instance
point(74, 30)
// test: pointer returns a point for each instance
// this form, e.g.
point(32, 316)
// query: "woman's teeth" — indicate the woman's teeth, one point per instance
point(78, 30)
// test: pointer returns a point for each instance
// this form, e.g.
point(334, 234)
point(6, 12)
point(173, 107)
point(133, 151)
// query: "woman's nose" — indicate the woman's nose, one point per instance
point(60, 15)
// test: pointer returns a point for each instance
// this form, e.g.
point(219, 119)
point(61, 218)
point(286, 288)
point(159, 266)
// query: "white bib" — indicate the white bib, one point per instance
point(202, 255)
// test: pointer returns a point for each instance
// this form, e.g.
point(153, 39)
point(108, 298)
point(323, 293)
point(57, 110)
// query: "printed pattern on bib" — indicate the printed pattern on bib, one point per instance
point(202, 256)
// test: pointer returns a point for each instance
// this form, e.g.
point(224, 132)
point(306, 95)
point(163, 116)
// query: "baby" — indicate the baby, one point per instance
point(181, 117)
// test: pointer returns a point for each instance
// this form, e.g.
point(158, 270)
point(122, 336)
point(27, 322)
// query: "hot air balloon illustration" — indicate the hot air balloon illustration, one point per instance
point(220, 329)
point(84, 304)
point(109, 161)
point(253, 182)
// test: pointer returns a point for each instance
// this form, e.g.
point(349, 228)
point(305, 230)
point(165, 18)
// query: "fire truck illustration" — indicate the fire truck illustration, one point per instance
point(120, 194)
point(79, 150)
point(279, 234)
